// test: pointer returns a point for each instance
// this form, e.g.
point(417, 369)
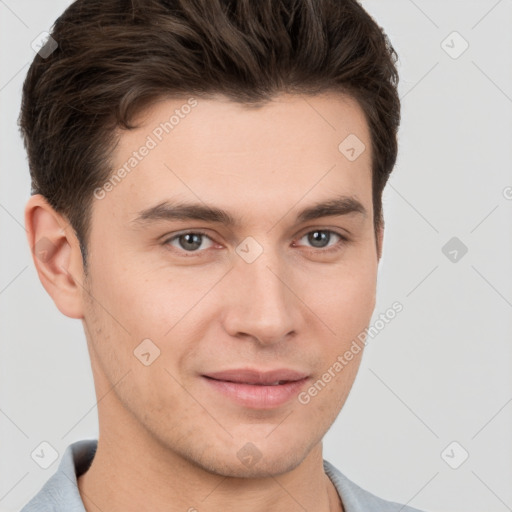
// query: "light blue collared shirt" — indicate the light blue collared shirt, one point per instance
point(60, 493)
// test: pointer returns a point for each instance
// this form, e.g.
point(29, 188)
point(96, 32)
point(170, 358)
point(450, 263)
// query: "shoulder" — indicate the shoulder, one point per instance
point(60, 492)
point(356, 499)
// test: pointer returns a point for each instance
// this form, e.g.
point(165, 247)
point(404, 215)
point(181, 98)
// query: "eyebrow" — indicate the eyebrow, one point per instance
point(168, 210)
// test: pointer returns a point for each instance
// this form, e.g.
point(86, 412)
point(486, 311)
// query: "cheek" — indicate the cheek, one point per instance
point(169, 308)
point(343, 297)
point(126, 325)
point(145, 305)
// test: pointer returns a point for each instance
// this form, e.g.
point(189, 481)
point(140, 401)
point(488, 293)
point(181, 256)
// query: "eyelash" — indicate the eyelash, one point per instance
point(332, 249)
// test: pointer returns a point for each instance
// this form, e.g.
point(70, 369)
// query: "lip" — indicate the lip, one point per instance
point(256, 389)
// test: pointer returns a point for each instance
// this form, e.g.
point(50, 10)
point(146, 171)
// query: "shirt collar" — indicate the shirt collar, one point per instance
point(61, 490)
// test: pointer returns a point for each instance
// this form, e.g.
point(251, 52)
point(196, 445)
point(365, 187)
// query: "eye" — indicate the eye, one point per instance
point(320, 238)
point(190, 241)
point(324, 240)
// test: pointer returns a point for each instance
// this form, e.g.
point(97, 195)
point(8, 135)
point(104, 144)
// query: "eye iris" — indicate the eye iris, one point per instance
point(192, 241)
point(317, 238)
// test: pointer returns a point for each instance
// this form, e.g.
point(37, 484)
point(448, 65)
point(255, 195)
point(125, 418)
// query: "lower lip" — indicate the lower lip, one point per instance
point(256, 396)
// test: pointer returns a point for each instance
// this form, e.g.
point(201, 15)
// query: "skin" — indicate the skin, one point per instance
point(168, 441)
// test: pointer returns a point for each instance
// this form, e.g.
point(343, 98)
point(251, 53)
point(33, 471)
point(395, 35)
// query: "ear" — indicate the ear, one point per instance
point(56, 255)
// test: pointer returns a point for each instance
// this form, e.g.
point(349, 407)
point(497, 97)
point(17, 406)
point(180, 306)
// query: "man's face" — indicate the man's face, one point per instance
point(270, 293)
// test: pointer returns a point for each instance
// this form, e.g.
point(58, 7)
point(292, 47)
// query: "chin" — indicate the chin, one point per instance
point(250, 462)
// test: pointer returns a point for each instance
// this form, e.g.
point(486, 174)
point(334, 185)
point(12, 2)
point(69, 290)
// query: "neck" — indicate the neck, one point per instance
point(132, 476)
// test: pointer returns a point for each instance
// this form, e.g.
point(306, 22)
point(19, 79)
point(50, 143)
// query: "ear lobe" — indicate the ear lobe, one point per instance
point(56, 255)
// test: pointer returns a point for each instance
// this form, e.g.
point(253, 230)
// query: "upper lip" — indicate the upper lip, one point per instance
point(251, 376)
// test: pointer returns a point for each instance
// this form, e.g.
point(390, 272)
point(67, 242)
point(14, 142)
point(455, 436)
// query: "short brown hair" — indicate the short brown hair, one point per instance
point(115, 57)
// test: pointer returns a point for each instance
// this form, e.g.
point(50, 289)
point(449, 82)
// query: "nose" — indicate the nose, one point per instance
point(262, 304)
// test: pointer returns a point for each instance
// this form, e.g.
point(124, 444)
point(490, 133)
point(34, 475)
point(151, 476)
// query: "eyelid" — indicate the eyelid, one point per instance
point(336, 230)
point(197, 231)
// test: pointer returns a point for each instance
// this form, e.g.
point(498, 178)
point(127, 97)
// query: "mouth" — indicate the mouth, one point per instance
point(257, 389)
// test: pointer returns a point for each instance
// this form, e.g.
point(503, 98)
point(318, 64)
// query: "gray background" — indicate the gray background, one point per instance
point(439, 372)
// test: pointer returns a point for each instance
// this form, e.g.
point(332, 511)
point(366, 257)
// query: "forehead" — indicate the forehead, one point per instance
point(291, 150)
